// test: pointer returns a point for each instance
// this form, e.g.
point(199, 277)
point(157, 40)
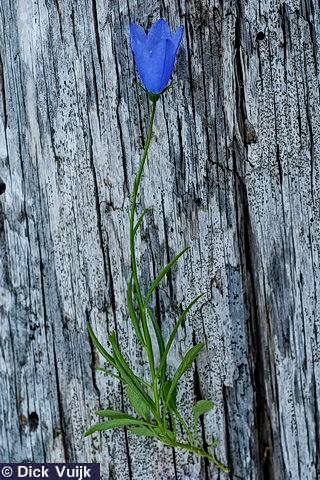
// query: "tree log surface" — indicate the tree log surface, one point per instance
point(233, 172)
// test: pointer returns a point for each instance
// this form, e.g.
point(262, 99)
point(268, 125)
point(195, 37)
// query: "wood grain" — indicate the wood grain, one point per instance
point(233, 171)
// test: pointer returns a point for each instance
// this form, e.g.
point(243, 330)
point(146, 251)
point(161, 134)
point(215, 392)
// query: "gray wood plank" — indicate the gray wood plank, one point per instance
point(233, 172)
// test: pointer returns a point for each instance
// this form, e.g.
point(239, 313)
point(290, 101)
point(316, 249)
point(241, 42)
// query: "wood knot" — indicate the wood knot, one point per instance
point(33, 421)
point(250, 135)
point(260, 36)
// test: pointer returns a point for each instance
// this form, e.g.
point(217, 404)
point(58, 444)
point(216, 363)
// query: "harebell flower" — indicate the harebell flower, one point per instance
point(154, 401)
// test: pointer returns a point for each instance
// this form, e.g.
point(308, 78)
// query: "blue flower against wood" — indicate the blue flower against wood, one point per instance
point(155, 53)
point(154, 397)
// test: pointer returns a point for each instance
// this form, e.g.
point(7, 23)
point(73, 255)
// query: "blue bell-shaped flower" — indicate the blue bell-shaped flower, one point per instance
point(155, 53)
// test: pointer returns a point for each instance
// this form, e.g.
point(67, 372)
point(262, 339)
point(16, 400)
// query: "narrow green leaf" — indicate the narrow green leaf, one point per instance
point(138, 402)
point(202, 407)
point(108, 372)
point(214, 443)
point(174, 332)
point(145, 431)
point(165, 389)
point(132, 313)
point(117, 422)
point(173, 423)
point(171, 406)
point(114, 414)
point(157, 331)
point(163, 272)
point(171, 435)
point(137, 225)
point(171, 85)
point(160, 341)
point(127, 374)
point(185, 426)
point(99, 347)
point(140, 86)
point(183, 367)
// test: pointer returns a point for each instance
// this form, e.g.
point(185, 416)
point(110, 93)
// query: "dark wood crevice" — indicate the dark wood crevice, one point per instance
point(249, 251)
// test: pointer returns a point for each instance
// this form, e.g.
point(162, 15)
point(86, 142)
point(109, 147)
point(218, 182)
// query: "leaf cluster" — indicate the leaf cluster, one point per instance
point(154, 403)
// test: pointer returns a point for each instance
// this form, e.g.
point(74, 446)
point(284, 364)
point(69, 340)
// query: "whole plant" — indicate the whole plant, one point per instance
point(154, 400)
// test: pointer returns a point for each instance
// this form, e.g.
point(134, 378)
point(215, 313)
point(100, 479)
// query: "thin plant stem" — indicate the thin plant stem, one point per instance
point(202, 453)
point(141, 305)
point(165, 435)
point(185, 426)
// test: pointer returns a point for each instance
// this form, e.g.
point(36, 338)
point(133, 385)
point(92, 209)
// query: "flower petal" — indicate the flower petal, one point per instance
point(158, 31)
point(171, 50)
point(150, 63)
point(177, 37)
point(138, 36)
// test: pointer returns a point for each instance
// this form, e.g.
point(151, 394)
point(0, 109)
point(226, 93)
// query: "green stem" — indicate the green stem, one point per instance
point(136, 186)
point(147, 344)
point(141, 306)
point(185, 425)
point(202, 453)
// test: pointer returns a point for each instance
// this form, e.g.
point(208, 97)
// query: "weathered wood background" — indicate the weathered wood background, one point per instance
point(233, 172)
